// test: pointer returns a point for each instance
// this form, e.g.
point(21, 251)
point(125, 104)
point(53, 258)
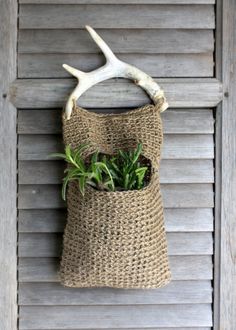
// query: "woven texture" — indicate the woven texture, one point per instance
point(115, 239)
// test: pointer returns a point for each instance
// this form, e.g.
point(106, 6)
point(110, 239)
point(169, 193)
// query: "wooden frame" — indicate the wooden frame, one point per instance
point(8, 173)
point(225, 198)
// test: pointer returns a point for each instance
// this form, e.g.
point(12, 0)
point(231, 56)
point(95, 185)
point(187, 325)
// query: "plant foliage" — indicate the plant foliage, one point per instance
point(123, 171)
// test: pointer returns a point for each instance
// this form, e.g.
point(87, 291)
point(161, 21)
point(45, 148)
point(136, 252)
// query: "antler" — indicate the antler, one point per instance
point(113, 68)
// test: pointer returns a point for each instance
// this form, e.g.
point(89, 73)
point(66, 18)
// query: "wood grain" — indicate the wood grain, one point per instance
point(176, 220)
point(181, 2)
point(52, 93)
point(175, 121)
point(8, 177)
point(183, 47)
point(177, 292)
point(69, 317)
point(171, 171)
point(159, 328)
point(175, 146)
point(156, 65)
point(50, 245)
point(182, 268)
point(145, 41)
point(227, 176)
point(218, 169)
point(174, 196)
point(117, 16)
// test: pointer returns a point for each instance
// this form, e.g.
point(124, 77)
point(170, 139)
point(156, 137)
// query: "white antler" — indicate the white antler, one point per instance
point(113, 68)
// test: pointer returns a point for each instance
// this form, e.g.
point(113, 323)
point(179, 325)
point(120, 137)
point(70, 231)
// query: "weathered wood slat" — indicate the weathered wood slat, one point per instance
point(185, 146)
point(50, 245)
point(118, 93)
point(182, 268)
point(186, 220)
point(69, 317)
point(174, 196)
point(177, 292)
point(33, 147)
point(8, 165)
point(187, 195)
point(146, 41)
point(171, 171)
point(186, 171)
point(41, 221)
point(117, 16)
point(226, 175)
point(156, 328)
point(175, 121)
point(176, 220)
point(156, 65)
point(87, 2)
point(177, 146)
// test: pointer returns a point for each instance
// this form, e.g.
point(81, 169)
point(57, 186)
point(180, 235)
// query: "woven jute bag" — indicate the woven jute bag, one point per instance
point(115, 239)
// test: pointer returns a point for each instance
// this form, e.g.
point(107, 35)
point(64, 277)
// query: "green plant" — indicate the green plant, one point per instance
point(76, 170)
point(126, 169)
point(123, 171)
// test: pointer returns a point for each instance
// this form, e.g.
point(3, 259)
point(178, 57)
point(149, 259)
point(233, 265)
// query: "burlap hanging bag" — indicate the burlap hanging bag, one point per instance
point(115, 239)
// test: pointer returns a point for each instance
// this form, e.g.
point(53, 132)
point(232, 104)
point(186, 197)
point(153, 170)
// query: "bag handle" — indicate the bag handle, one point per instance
point(114, 68)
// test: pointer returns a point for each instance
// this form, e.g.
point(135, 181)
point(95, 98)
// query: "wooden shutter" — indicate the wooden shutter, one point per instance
point(172, 40)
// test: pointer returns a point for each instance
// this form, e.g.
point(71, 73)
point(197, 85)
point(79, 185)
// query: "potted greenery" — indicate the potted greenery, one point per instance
point(127, 170)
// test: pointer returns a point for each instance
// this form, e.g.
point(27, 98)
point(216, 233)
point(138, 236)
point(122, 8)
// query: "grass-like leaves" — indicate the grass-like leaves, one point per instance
point(124, 171)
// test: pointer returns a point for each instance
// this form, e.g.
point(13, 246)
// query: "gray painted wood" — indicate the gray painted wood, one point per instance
point(217, 216)
point(117, 16)
point(145, 41)
point(52, 93)
point(38, 147)
point(64, 317)
point(227, 264)
point(156, 328)
point(41, 221)
point(186, 171)
point(181, 2)
point(176, 220)
point(8, 216)
point(182, 268)
point(175, 146)
point(218, 169)
point(188, 195)
point(50, 245)
point(178, 146)
point(171, 171)
point(174, 196)
point(187, 158)
point(175, 121)
point(177, 292)
point(156, 65)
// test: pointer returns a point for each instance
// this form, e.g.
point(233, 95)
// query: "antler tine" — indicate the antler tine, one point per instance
point(113, 68)
point(76, 73)
point(110, 56)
